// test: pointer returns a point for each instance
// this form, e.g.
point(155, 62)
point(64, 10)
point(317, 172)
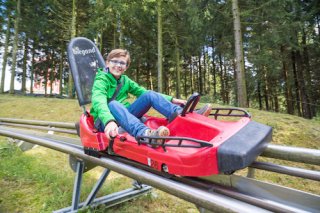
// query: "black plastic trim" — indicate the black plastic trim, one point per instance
point(84, 60)
point(155, 141)
point(241, 149)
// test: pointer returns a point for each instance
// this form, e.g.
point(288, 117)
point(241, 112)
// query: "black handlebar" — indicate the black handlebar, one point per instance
point(191, 103)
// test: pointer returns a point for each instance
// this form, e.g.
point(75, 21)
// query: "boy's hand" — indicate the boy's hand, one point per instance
point(111, 130)
point(178, 101)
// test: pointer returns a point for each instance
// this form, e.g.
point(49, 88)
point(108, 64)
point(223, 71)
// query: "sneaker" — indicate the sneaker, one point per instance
point(162, 131)
point(205, 110)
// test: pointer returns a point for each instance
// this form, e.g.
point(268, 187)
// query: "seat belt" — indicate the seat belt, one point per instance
point(119, 85)
point(111, 141)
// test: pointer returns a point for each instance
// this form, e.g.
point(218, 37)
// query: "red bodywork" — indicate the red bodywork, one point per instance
point(178, 160)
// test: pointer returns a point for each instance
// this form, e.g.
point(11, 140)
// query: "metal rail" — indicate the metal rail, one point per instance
point(39, 123)
point(293, 171)
point(296, 154)
point(53, 128)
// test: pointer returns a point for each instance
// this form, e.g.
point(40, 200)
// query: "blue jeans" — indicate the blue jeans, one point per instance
point(128, 118)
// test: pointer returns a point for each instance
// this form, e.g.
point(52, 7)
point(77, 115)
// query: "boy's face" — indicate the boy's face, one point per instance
point(117, 66)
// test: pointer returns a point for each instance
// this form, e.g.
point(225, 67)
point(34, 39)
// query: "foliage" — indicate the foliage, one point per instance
point(280, 41)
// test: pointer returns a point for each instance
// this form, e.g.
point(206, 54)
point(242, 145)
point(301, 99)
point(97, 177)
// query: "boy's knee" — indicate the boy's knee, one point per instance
point(113, 104)
point(150, 93)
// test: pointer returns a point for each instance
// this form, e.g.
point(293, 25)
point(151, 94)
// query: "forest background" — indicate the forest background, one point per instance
point(270, 59)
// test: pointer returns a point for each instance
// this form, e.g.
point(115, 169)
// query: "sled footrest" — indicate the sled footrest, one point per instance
point(229, 112)
point(161, 141)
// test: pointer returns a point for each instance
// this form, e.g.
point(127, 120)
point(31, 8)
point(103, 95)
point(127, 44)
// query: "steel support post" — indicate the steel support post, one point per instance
point(251, 172)
point(108, 200)
point(96, 188)
point(77, 186)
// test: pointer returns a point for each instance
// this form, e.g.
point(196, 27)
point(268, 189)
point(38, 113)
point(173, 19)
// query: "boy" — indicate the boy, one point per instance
point(110, 107)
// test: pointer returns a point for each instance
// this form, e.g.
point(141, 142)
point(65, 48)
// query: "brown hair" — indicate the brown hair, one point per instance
point(118, 53)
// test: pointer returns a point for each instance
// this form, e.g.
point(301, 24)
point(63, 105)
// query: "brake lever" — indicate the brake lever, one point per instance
point(110, 146)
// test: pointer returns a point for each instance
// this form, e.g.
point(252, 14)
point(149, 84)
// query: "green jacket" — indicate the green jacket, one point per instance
point(104, 87)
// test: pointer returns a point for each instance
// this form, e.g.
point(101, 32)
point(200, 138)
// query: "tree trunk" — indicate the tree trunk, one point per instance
point(160, 46)
point(15, 47)
point(100, 40)
point(266, 100)
point(32, 64)
point(61, 69)
point(226, 83)
point(308, 83)
point(168, 84)
point(185, 83)
point(287, 82)
point(200, 78)
point(24, 67)
point(114, 41)
point(150, 78)
point(137, 73)
point(214, 72)
point(191, 76)
point(51, 75)
point(296, 83)
point(266, 88)
point(149, 72)
point(318, 24)
point(46, 72)
point(275, 99)
point(52, 72)
point(241, 81)
point(178, 71)
point(302, 85)
point(214, 78)
point(119, 27)
point(73, 34)
point(222, 91)
point(5, 55)
point(259, 95)
point(204, 73)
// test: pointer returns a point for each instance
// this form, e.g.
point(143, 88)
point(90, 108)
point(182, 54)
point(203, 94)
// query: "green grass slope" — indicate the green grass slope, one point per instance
point(40, 180)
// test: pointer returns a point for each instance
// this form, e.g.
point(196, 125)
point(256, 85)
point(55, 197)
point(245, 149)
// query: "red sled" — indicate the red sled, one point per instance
point(197, 145)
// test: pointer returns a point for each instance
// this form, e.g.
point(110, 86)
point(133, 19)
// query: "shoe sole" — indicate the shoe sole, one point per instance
point(163, 131)
point(207, 112)
point(160, 132)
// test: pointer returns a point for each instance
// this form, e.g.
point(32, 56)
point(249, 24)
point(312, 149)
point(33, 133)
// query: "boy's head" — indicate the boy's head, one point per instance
point(118, 61)
point(116, 53)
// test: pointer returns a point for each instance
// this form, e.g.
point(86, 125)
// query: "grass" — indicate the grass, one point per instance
point(40, 180)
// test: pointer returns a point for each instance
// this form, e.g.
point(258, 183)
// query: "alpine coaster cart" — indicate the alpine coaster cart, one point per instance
point(198, 145)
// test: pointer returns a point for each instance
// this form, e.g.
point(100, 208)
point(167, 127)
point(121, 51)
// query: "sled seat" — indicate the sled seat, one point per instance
point(85, 59)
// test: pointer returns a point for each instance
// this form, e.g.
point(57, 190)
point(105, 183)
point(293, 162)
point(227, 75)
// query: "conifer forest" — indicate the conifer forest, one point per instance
point(263, 54)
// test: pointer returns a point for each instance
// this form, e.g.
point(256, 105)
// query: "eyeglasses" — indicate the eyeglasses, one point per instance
point(118, 63)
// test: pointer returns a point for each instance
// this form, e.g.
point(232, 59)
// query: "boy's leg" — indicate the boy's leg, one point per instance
point(155, 100)
point(126, 120)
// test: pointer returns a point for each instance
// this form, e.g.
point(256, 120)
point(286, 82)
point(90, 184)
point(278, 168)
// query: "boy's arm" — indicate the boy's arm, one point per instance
point(100, 100)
